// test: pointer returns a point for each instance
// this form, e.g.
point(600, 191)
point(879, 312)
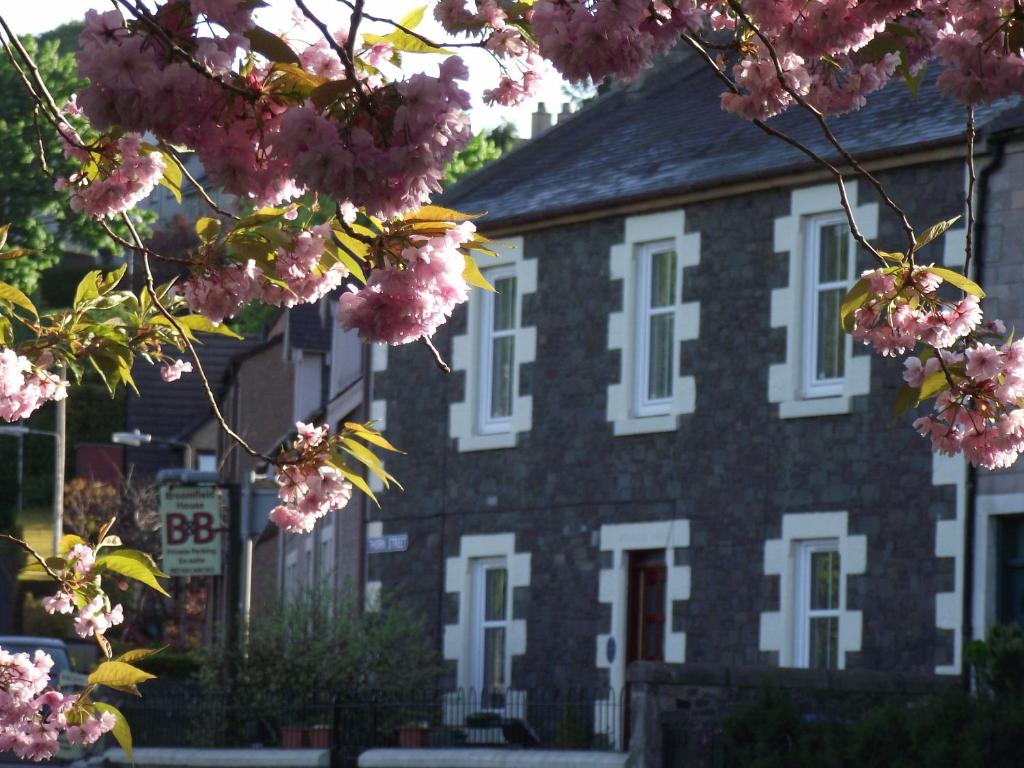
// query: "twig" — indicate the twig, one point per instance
point(143, 249)
point(971, 178)
point(353, 27)
point(39, 558)
point(422, 38)
point(425, 341)
point(151, 284)
point(823, 124)
point(836, 173)
point(168, 150)
point(343, 53)
point(40, 147)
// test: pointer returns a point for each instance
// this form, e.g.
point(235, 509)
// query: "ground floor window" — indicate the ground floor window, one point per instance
point(491, 659)
point(1010, 582)
point(818, 604)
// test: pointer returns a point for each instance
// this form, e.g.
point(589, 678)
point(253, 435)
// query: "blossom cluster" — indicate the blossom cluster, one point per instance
point(309, 484)
point(97, 615)
point(300, 276)
point(125, 175)
point(33, 715)
point(24, 387)
point(413, 293)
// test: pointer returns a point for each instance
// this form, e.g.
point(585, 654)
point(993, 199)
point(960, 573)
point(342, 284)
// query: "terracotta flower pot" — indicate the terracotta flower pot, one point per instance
point(319, 737)
point(292, 737)
point(412, 736)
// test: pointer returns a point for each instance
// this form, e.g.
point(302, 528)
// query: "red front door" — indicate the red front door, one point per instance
point(645, 614)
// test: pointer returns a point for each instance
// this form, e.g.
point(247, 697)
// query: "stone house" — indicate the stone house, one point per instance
point(656, 445)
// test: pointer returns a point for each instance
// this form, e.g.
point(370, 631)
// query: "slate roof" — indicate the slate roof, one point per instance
point(666, 134)
point(309, 328)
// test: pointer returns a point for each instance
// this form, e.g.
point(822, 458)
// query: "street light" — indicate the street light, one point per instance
point(19, 431)
point(137, 438)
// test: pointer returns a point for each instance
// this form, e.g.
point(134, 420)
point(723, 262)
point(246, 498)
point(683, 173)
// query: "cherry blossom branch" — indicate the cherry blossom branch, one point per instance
point(214, 406)
point(347, 60)
point(172, 153)
point(411, 32)
point(353, 27)
point(144, 250)
point(823, 124)
point(38, 558)
point(971, 179)
point(425, 340)
point(837, 174)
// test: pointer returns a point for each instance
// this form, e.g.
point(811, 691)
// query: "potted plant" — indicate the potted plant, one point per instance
point(318, 736)
point(293, 736)
point(413, 734)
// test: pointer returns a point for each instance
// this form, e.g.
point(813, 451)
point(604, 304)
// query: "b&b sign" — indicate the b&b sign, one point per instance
point(190, 535)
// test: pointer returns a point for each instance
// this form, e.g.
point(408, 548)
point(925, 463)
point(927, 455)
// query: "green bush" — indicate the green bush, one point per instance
point(998, 660)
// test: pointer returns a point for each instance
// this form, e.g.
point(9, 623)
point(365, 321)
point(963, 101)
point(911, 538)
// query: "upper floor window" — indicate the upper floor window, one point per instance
point(498, 325)
point(830, 263)
point(818, 603)
point(656, 337)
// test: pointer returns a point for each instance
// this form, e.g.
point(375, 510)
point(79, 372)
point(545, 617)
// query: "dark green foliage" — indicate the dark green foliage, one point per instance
point(482, 149)
point(998, 660)
point(954, 730)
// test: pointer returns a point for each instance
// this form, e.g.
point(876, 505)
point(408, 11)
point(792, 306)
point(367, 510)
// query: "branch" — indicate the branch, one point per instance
point(151, 284)
point(170, 151)
point(823, 124)
point(343, 53)
point(437, 355)
point(39, 558)
point(357, 7)
point(836, 173)
point(971, 179)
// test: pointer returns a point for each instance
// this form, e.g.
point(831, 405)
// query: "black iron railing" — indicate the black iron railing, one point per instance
point(350, 723)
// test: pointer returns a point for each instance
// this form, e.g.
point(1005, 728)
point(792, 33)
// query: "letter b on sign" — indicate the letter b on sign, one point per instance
point(202, 527)
point(177, 528)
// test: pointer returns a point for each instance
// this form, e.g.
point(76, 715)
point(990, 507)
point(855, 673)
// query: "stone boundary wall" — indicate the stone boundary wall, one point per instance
point(687, 703)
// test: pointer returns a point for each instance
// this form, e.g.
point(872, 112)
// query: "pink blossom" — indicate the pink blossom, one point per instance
point(983, 361)
point(24, 387)
point(172, 371)
point(134, 175)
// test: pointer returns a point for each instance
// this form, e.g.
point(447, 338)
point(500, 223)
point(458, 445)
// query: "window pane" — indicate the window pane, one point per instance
point(663, 279)
point(833, 259)
point(824, 641)
point(659, 362)
point(495, 594)
point(494, 666)
point(504, 303)
point(824, 581)
point(502, 366)
point(831, 340)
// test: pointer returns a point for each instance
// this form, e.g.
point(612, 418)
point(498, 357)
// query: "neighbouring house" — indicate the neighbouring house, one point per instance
point(657, 445)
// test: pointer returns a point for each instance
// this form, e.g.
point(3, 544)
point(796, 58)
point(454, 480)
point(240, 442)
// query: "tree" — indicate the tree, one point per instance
point(481, 150)
point(269, 114)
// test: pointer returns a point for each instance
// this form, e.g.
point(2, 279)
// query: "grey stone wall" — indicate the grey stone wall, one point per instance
point(733, 468)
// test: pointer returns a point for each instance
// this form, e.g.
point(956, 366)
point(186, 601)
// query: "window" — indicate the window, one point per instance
point(818, 602)
point(830, 256)
point(656, 315)
point(206, 461)
point(498, 352)
point(1010, 584)
point(491, 660)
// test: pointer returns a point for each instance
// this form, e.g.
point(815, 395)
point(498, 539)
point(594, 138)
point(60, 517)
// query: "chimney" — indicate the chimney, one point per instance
point(541, 121)
point(566, 112)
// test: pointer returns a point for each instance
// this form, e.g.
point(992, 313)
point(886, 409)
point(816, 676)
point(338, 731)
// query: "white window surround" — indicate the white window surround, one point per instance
point(464, 417)
point(379, 407)
point(459, 637)
point(372, 589)
point(991, 507)
point(789, 307)
point(623, 331)
point(805, 613)
point(613, 589)
point(644, 404)
point(778, 628)
point(487, 422)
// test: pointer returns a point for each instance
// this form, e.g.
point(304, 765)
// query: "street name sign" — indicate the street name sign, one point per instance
point(396, 542)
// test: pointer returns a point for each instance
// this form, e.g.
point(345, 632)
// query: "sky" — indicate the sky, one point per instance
point(42, 15)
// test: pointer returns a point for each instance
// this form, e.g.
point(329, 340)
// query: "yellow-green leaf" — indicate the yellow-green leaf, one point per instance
point(965, 284)
point(328, 93)
point(137, 654)
point(472, 274)
point(933, 232)
point(854, 300)
point(933, 385)
point(208, 229)
point(172, 177)
point(440, 213)
point(906, 397)
point(371, 436)
point(17, 253)
point(12, 295)
point(412, 19)
point(403, 41)
point(118, 674)
point(128, 563)
point(121, 732)
point(68, 542)
point(3, 234)
point(898, 257)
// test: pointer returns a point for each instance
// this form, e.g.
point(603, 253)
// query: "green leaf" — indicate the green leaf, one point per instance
point(440, 213)
point(965, 284)
point(906, 397)
point(933, 232)
point(933, 385)
point(262, 216)
point(898, 257)
point(87, 289)
point(121, 732)
point(208, 229)
point(11, 295)
point(854, 300)
point(413, 18)
point(137, 654)
point(172, 178)
point(17, 253)
point(472, 274)
point(132, 566)
point(6, 332)
point(371, 436)
point(119, 675)
point(271, 46)
point(403, 41)
point(328, 93)
point(3, 234)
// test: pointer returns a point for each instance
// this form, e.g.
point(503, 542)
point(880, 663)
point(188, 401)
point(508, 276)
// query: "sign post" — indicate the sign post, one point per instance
point(190, 536)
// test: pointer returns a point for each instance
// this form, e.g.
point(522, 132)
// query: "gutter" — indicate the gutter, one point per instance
point(996, 146)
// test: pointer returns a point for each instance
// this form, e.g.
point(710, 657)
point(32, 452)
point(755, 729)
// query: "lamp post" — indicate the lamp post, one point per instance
point(136, 439)
point(19, 431)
